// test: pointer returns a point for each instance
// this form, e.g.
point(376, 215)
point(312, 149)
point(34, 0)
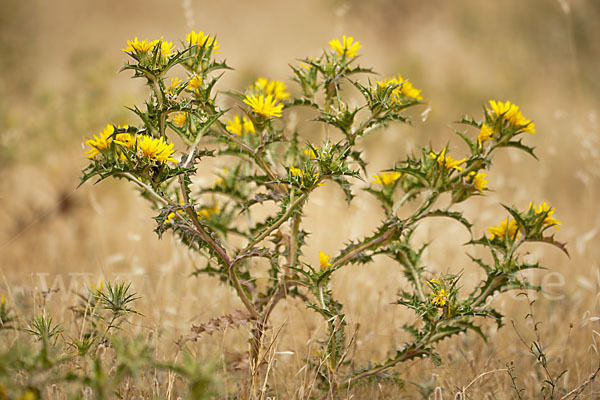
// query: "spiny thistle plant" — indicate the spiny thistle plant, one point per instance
point(222, 221)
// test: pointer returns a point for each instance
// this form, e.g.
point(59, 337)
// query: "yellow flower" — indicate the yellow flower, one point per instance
point(346, 46)
point(200, 39)
point(439, 297)
point(125, 139)
point(195, 83)
point(275, 88)
point(510, 112)
point(96, 290)
point(296, 171)
point(179, 119)
point(324, 260)
point(28, 395)
point(409, 91)
point(387, 178)
point(156, 149)
point(404, 88)
point(100, 142)
point(478, 180)
point(545, 208)
point(139, 47)
point(172, 88)
point(239, 126)
point(166, 48)
point(309, 152)
point(265, 106)
point(500, 231)
point(485, 134)
point(248, 126)
point(447, 161)
point(207, 212)
point(2, 300)
point(304, 174)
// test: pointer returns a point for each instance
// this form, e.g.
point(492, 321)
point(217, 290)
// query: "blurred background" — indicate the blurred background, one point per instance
point(59, 85)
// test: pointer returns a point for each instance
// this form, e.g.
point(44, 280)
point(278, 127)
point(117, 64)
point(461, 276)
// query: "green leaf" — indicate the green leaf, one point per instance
point(346, 187)
point(519, 145)
point(472, 145)
point(450, 214)
point(550, 240)
point(301, 102)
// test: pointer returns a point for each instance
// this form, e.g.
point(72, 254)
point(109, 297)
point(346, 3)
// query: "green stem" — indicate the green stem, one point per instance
point(277, 223)
point(293, 250)
point(365, 246)
point(201, 232)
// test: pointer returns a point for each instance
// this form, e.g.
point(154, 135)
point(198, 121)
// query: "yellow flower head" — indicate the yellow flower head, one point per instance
point(240, 126)
point(96, 290)
point(125, 139)
point(28, 395)
point(405, 88)
point(265, 106)
point(297, 172)
point(386, 178)
point(208, 211)
point(447, 161)
point(2, 300)
point(545, 208)
point(100, 142)
point(478, 180)
point(439, 294)
point(347, 46)
point(139, 47)
point(275, 88)
point(324, 260)
point(172, 88)
point(309, 152)
point(166, 48)
point(508, 225)
point(195, 83)
point(200, 39)
point(439, 297)
point(156, 149)
point(485, 134)
point(510, 112)
point(179, 119)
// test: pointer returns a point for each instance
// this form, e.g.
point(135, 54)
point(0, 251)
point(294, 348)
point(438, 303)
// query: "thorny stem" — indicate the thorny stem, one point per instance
point(365, 246)
point(415, 277)
point(405, 356)
point(293, 241)
point(159, 98)
point(493, 286)
point(200, 229)
point(201, 232)
point(277, 223)
point(161, 199)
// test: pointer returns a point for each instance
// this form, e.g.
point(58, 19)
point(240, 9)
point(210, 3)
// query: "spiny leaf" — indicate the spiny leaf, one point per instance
point(450, 214)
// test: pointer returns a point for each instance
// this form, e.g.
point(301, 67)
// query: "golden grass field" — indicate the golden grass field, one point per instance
point(59, 86)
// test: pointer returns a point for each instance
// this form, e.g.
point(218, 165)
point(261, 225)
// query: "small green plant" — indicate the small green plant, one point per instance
point(266, 163)
point(101, 362)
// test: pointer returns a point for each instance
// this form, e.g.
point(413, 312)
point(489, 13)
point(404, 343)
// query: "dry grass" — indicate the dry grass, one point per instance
point(59, 86)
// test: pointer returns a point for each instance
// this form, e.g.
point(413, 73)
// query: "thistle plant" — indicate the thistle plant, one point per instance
point(223, 222)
